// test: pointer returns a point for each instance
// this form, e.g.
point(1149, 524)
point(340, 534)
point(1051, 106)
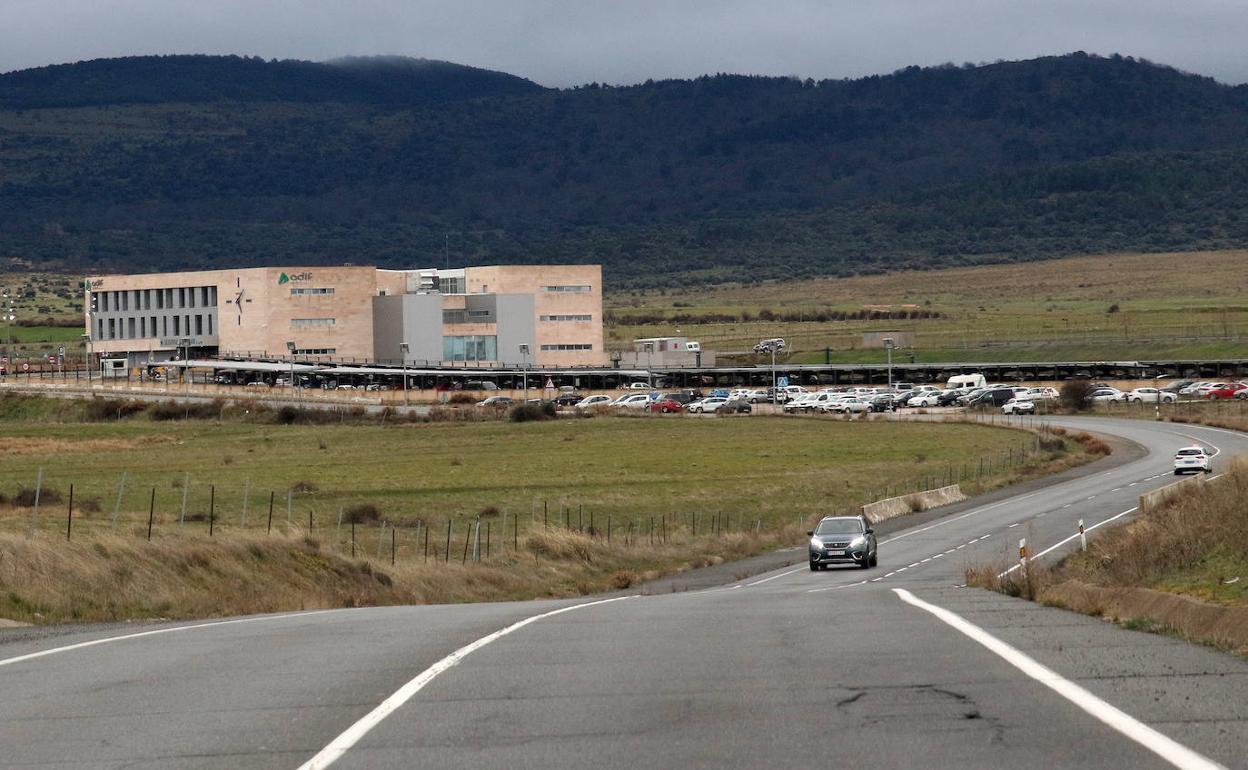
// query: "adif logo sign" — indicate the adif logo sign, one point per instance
point(293, 278)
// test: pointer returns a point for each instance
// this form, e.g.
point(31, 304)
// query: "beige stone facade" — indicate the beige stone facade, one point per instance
point(334, 313)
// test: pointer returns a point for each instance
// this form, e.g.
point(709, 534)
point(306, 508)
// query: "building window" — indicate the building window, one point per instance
point(306, 291)
point(467, 316)
point(210, 331)
point(125, 300)
point(164, 326)
point(143, 327)
point(451, 285)
point(567, 347)
point(177, 325)
point(568, 289)
point(571, 317)
point(199, 325)
point(160, 299)
point(470, 348)
point(99, 332)
point(308, 323)
point(112, 328)
point(203, 294)
point(315, 351)
point(130, 327)
point(182, 297)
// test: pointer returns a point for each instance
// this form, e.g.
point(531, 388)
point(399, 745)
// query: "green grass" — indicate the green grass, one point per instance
point(1167, 305)
point(771, 469)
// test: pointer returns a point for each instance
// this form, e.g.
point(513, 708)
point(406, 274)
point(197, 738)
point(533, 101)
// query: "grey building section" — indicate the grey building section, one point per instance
point(169, 318)
point(517, 325)
point(412, 318)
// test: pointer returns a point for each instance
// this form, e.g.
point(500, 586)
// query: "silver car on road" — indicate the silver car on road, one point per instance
point(842, 540)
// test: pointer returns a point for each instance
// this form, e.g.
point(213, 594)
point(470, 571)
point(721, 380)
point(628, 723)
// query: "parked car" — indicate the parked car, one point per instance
point(950, 397)
point(480, 385)
point(497, 401)
point(1242, 394)
point(638, 386)
point(734, 406)
point(1177, 386)
point(1194, 459)
point(709, 404)
point(1042, 394)
point(851, 404)
point(1193, 388)
point(842, 540)
point(1107, 396)
point(1150, 395)
point(589, 401)
point(923, 399)
point(758, 396)
point(1228, 390)
point(798, 403)
point(1018, 405)
point(633, 401)
point(788, 392)
point(570, 399)
point(665, 405)
point(767, 345)
point(992, 398)
point(883, 402)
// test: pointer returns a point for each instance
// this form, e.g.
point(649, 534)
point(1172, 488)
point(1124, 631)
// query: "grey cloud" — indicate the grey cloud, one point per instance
point(566, 42)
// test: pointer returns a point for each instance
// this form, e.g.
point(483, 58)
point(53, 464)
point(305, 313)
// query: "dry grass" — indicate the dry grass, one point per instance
point(109, 578)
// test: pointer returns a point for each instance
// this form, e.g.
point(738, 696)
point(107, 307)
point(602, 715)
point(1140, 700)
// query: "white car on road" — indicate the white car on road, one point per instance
point(1194, 459)
point(1019, 405)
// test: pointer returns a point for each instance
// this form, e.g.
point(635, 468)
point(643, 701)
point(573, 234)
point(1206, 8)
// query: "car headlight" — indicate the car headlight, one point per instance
point(816, 543)
point(858, 542)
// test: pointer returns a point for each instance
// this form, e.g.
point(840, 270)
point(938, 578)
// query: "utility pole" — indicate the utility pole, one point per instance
point(889, 344)
point(524, 370)
point(404, 348)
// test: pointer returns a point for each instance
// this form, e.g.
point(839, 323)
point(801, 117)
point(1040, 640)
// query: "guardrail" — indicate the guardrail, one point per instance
point(1159, 497)
point(914, 502)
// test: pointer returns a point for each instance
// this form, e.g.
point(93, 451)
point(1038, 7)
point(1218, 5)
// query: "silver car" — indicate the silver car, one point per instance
point(842, 540)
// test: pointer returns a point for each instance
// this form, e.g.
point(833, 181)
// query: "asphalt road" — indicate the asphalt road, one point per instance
point(789, 668)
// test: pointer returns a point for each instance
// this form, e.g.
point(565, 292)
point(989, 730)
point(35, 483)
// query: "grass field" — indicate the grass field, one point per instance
point(1163, 305)
point(766, 470)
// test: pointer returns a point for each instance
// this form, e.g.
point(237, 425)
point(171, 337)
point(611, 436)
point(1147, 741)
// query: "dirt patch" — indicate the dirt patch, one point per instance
point(1192, 619)
point(47, 446)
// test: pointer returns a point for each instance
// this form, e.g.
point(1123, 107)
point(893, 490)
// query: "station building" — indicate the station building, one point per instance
point(504, 315)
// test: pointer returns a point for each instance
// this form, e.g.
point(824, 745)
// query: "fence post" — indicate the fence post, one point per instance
point(270, 529)
point(121, 488)
point(69, 516)
point(246, 492)
point(352, 539)
point(212, 507)
point(381, 538)
point(467, 539)
point(448, 539)
point(1022, 556)
point(393, 543)
point(151, 514)
point(515, 533)
point(186, 486)
point(487, 539)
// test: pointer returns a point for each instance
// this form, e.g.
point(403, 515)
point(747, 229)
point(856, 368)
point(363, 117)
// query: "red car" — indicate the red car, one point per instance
point(1229, 390)
point(667, 406)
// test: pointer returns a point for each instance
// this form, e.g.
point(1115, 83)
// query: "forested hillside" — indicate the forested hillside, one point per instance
point(163, 162)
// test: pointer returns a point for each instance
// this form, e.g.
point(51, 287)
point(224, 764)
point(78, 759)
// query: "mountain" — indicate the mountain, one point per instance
point(386, 80)
point(213, 161)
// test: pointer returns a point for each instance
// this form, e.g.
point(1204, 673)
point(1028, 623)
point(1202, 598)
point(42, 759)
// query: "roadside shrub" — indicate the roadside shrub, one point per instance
point(531, 413)
point(489, 512)
point(462, 398)
point(25, 497)
point(106, 409)
point(1092, 444)
point(624, 578)
point(286, 415)
point(1076, 395)
point(172, 410)
point(362, 513)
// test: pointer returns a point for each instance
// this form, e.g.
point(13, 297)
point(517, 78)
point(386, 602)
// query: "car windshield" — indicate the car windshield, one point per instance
point(839, 527)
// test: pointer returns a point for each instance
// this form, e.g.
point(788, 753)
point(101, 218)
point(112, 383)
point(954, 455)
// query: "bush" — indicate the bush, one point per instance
point(105, 409)
point(531, 412)
point(25, 497)
point(1076, 395)
point(362, 513)
point(286, 415)
point(462, 398)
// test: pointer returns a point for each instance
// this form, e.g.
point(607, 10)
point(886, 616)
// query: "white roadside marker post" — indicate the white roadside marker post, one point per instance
point(1083, 537)
point(1022, 556)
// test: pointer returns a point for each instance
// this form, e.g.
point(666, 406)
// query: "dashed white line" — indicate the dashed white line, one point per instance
point(1163, 746)
point(1015, 524)
point(773, 577)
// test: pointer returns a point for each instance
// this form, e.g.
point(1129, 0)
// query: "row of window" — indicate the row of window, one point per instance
point(144, 327)
point(313, 323)
point(467, 316)
point(572, 288)
point(315, 351)
point(568, 347)
point(470, 348)
point(154, 299)
point(302, 291)
point(570, 317)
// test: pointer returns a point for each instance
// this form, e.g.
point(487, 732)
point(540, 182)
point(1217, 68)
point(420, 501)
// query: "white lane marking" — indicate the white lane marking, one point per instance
point(1133, 483)
point(1163, 746)
point(155, 632)
point(1012, 526)
point(1061, 543)
point(912, 565)
point(773, 577)
point(352, 735)
point(943, 522)
point(1116, 489)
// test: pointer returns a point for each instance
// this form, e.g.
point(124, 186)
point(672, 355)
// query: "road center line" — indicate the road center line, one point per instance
point(773, 577)
point(155, 632)
point(1163, 746)
point(352, 735)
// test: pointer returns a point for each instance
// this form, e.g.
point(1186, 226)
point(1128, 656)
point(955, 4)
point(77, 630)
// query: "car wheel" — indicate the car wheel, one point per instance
point(814, 567)
point(866, 563)
point(875, 559)
point(1209, 469)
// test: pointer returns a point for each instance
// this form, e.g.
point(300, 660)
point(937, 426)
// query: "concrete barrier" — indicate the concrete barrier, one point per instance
point(1158, 497)
point(881, 510)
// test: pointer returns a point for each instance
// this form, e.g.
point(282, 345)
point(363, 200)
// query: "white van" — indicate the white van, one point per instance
point(966, 381)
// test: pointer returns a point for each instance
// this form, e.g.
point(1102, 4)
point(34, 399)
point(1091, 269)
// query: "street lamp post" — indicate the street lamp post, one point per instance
point(86, 338)
point(649, 364)
point(772, 346)
point(404, 348)
point(524, 370)
point(185, 344)
point(9, 315)
point(290, 347)
point(889, 344)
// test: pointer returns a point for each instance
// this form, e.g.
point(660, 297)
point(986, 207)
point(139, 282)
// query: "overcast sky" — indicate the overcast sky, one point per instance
point(567, 42)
